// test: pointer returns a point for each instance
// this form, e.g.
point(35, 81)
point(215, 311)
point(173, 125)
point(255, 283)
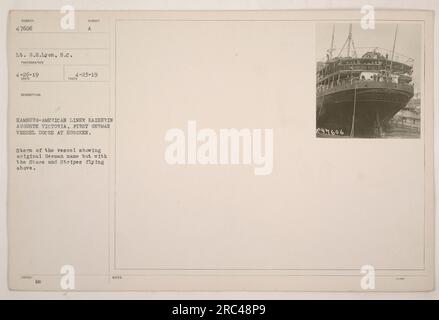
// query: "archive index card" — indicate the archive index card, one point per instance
point(280, 150)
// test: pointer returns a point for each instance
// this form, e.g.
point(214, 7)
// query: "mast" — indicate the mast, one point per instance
point(393, 49)
point(354, 51)
point(348, 42)
point(349, 39)
point(332, 42)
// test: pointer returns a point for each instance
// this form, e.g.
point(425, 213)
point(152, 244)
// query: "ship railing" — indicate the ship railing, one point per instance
point(385, 53)
point(355, 81)
point(397, 56)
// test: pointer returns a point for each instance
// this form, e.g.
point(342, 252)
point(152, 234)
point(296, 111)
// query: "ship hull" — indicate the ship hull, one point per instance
point(375, 104)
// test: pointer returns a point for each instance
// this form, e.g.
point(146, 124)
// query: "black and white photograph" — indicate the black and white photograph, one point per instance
point(368, 81)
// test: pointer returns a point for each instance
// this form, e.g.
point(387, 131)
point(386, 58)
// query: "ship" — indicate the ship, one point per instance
point(357, 95)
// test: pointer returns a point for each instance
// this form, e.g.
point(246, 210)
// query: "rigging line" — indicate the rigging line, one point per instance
point(353, 112)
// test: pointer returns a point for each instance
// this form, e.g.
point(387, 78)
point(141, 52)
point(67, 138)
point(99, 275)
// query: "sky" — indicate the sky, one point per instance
point(408, 41)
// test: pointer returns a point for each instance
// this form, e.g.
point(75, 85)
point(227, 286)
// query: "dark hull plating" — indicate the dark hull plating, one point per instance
point(375, 104)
